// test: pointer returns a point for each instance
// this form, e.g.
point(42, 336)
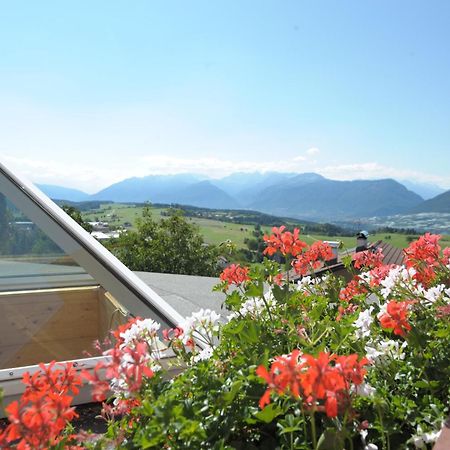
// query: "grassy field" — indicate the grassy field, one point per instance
point(396, 240)
point(215, 231)
point(118, 214)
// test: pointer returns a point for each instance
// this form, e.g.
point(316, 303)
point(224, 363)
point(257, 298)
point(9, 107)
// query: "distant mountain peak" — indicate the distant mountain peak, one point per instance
point(438, 204)
point(425, 190)
point(307, 195)
point(63, 193)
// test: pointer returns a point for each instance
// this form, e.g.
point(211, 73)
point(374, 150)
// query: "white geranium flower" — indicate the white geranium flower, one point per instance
point(383, 310)
point(254, 306)
point(206, 353)
point(379, 352)
point(310, 284)
point(363, 322)
point(397, 276)
point(433, 293)
point(422, 439)
point(304, 282)
point(365, 390)
point(371, 447)
point(144, 329)
point(372, 353)
point(366, 277)
point(372, 299)
point(367, 446)
point(203, 324)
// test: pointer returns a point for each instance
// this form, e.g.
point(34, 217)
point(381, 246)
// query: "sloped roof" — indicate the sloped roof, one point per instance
point(392, 255)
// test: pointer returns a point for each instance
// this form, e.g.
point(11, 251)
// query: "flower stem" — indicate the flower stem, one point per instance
point(384, 436)
point(313, 430)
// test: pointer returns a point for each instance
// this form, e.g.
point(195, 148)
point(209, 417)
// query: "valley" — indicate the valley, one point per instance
point(218, 226)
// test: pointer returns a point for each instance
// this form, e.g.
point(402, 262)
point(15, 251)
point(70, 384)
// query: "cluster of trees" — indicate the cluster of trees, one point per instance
point(398, 231)
point(170, 245)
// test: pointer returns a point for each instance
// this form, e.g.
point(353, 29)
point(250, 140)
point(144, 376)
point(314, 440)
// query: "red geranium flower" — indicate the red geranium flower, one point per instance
point(282, 377)
point(380, 273)
point(285, 242)
point(172, 333)
point(235, 274)
point(424, 256)
point(446, 258)
point(323, 382)
point(39, 417)
point(312, 258)
point(353, 288)
point(396, 317)
point(368, 259)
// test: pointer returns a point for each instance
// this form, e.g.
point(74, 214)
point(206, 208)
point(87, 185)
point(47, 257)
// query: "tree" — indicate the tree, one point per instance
point(76, 215)
point(171, 245)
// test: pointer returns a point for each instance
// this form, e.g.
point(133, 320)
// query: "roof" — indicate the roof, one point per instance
point(392, 255)
point(185, 293)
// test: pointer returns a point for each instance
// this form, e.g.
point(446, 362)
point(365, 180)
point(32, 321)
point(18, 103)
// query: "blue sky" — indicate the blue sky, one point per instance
point(95, 91)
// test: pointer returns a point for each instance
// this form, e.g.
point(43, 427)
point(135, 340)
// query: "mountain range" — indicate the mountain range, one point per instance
point(440, 203)
point(63, 193)
point(304, 196)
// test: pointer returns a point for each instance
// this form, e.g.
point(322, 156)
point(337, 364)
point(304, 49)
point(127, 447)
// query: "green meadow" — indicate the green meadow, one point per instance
point(216, 231)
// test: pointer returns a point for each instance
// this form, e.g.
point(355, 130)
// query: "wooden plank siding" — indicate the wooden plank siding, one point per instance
point(61, 324)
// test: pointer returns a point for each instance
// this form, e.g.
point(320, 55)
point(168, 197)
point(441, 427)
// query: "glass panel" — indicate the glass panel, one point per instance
point(59, 288)
point(29, 258)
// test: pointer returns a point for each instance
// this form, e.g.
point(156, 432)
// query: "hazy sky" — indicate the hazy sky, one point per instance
point(95, 91)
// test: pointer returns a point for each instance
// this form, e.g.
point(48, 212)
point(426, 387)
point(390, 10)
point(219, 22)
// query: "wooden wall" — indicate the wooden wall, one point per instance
point(61, 324)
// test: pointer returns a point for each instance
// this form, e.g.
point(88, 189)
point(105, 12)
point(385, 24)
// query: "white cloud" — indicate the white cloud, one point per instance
point(373, 170)
point(91, 178)
point(307, 155)
point(87, 177)
point(211, 166)
point(312, 151)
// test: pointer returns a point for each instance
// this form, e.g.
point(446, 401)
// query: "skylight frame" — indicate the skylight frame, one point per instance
point(129, 290)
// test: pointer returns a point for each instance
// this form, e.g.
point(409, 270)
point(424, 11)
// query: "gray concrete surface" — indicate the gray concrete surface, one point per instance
point(186, 293)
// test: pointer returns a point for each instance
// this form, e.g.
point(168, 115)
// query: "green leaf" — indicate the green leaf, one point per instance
point(269, 413)
point(250, 332)
point(422, 384)
point(231, 394)
point(255, 290)
point(233, 300)
point(279, 293)
point(442, 333)
point(235, 327)
point(347, 260)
